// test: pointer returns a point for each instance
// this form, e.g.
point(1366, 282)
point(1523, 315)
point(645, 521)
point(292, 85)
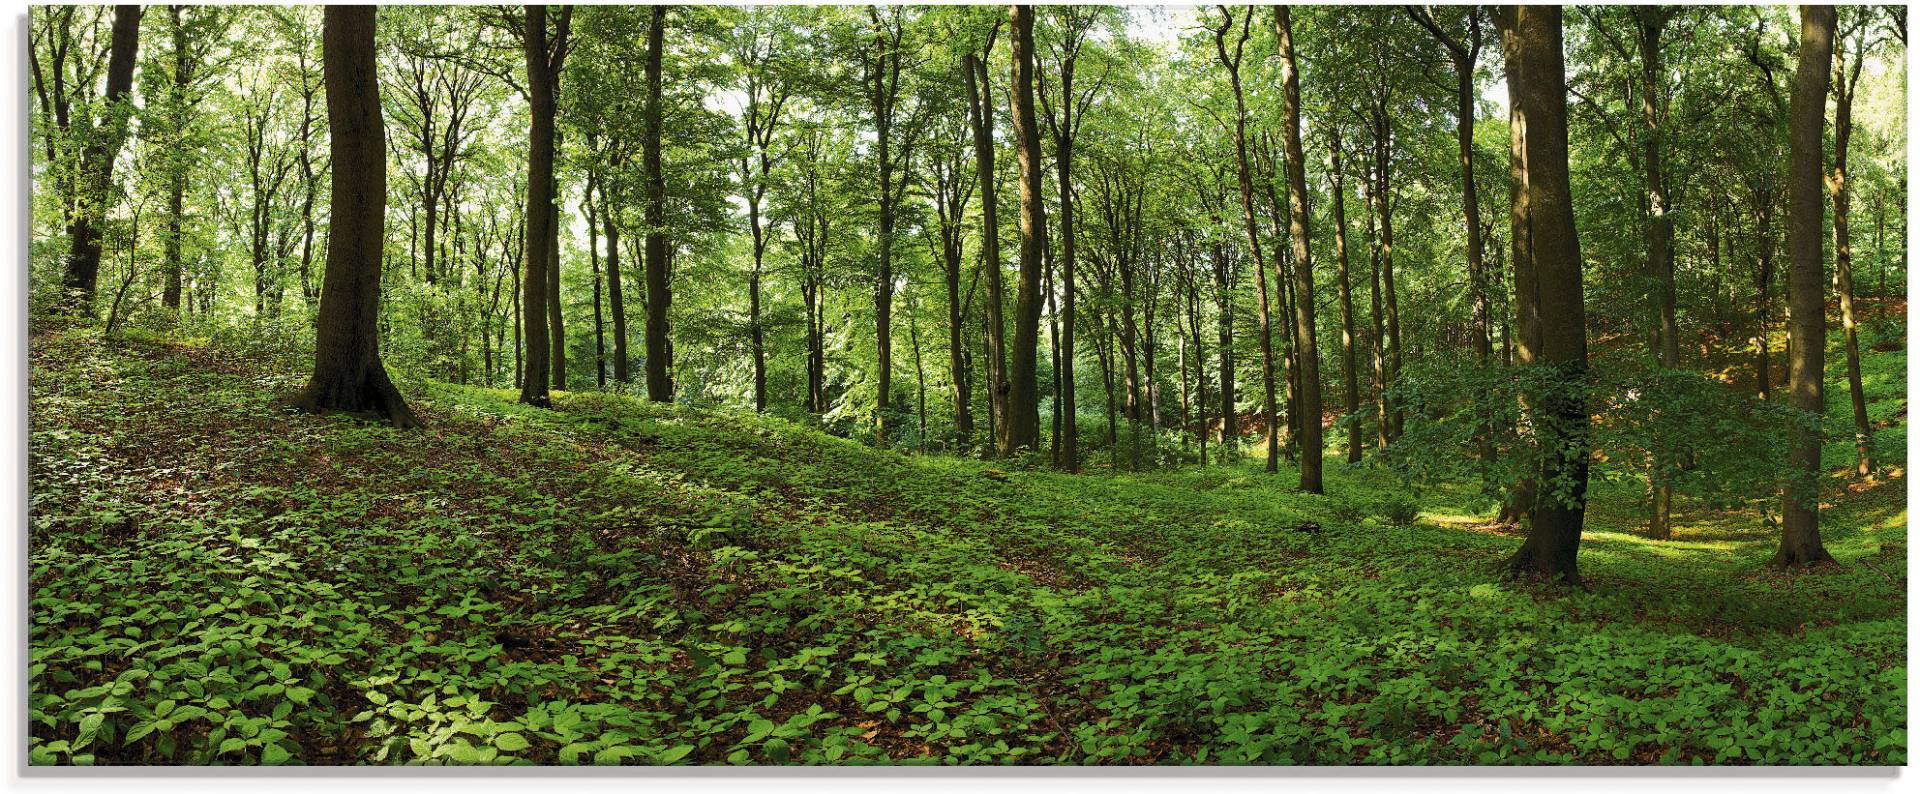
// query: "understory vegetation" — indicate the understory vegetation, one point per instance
point(218, 578)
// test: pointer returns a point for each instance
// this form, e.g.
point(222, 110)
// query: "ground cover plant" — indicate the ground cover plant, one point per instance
point(218, 578)
point(1011, 385)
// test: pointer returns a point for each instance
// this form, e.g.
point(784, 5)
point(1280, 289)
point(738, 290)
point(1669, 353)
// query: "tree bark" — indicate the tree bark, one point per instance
point(543, 62)
point(1849, 64)
point(980, 99)
point(616, 297)
point(659, 292)
point(347, 374)
point(1306, 351)
point(1232, 64)
point(96, 178)
point(1806, 283)
point(1023, 397)
point(1348, 365)
point(1531, 36)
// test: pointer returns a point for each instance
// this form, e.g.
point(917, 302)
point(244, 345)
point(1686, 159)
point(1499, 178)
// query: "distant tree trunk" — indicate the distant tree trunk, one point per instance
point(542, 77)
point(659, 294)
point(616, 299)
point(1383, 201)
point(1377, 338)
point(1023, 397)
point(1531, 36)
point(1307, 353)
point(980, 99)
point(1232, 64)
point(1763, 283)
point(557, 332)
point(593, 256)
point(882, 81)
point(1348, 369)
point(962, 383)
point(347, 373)
point(1223, 305)
point(1843, 93)
point(1651, 21)
point(177, 170)
point(96, 177)
point(1800, 538)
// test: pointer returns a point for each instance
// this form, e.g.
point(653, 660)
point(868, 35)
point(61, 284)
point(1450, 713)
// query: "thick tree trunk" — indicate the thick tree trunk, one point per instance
point(1651, 20)
point(1800, 537)
point(1307, 351)
point(1531, 36)
point(347, 373)
point(536, 377)
point(96, 178)
point(659, 293)
point(1023, 395)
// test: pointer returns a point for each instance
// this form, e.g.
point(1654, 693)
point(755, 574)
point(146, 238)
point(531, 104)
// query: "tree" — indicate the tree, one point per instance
point(1850, 52)
point(1232, 64)
point(544, 60)
point(658, 267)
point(1307, 352)
point(1806, 282)
point(103, 144)
point(348, 375)
point(1543, 215)
point(1023, 395)
point(980, 113)
point(757, 50)
point(1063, 117)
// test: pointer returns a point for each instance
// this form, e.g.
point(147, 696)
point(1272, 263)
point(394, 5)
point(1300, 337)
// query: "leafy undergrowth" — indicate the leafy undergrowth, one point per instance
point(218, 579)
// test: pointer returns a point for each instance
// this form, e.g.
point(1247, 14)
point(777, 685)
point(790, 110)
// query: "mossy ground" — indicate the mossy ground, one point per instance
point(216, 578)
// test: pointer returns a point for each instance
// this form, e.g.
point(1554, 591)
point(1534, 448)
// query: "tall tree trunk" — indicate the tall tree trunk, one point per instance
point(1223, 305)
point(1531, 36)
point(96, 177)
point(557, 327)
point(957, 373)
point(1383, 200)
point(616, 297)
point(1800, 537)
point(177, 169)
point(1307, 353)
point(980, 98)
point(1232, 64)
point(659, 293)
point(1844, 88)
point(1348, 370)
point(593, 256)
point(347, 373)
point(1651, 21)
point(542, 69)
point(1023, 394)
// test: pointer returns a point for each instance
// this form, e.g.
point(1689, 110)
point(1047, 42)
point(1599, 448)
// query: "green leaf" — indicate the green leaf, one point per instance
point(510, 742)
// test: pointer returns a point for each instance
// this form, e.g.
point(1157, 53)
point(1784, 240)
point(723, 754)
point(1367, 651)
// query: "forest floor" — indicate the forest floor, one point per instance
point(216, 578)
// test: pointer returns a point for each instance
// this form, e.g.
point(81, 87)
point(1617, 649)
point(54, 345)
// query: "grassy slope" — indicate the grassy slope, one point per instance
point(217, 579)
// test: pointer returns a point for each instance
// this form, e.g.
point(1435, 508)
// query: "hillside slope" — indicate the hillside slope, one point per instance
point(218, 579)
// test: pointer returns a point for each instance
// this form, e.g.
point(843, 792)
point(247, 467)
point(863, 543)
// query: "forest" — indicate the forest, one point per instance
point(957, 384)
